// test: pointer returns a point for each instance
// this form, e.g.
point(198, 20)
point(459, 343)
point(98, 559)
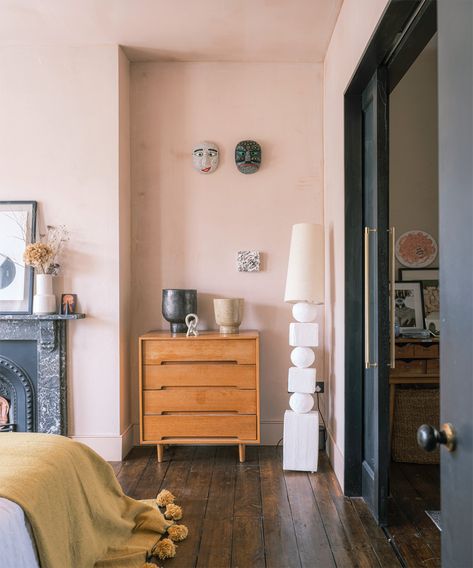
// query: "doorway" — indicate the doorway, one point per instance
point(414, 378)
point(379, 297)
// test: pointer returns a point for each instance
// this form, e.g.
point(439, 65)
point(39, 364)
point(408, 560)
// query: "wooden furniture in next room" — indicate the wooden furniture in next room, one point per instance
point(417, 363)
point(199, 390)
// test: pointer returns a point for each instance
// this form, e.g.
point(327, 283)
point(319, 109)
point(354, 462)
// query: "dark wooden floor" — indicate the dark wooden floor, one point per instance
point(415, 489)
point(254, 515)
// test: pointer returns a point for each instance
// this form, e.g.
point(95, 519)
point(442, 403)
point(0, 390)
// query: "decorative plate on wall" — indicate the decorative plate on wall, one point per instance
point(416, 249)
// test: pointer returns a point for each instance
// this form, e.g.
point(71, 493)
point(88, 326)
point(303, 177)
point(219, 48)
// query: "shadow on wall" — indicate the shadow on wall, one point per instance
point(256, 316)
point(331, 348)
point(153, 215)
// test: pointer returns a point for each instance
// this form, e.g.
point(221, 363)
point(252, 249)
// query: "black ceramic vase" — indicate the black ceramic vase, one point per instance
point(176, 305)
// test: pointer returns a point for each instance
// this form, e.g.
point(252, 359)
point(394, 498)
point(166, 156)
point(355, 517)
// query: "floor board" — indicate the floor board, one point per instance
point(415, 488)
point(255, 515)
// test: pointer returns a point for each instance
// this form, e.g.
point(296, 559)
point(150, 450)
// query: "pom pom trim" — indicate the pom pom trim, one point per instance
point(178, 532)
point(164, 498)
point(173, 512)
point(165, 548)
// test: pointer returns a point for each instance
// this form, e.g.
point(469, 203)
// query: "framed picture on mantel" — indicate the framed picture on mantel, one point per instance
point(17, 230)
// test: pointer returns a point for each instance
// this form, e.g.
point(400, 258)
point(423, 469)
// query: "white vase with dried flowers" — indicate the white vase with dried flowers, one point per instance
point(43, 257)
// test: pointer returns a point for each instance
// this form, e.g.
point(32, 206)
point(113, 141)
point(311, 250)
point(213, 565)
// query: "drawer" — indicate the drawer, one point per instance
point(404, 350)
point(199, 375)
point(414, 367)
point(427, 351)
point(199, 400)
point(433, 366)
point(241, 351)
point(194, 426)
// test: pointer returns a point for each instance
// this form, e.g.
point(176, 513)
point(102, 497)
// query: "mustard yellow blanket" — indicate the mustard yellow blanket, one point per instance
point(78, 512)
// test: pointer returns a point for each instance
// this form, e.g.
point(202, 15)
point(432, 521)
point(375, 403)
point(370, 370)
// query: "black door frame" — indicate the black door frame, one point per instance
point(402, 33)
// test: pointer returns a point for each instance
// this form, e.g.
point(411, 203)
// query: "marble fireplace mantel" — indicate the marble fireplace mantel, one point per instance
point(49, 333)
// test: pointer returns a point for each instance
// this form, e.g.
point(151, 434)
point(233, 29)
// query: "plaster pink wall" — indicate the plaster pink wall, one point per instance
point(350, 37)
point(188, 227)
point(124, 205)
point(59, 119)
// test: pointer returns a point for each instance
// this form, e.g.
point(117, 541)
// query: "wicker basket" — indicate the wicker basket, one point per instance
point(412, 408)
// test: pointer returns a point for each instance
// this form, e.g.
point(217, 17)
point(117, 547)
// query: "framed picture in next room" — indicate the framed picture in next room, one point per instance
point(430, 286)
point(409, 305)
point(17, 230)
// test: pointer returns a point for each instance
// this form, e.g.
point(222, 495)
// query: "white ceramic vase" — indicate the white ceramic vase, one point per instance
point(44, 301)
point(228, 314)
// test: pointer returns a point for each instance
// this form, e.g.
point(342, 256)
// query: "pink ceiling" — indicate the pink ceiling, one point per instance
point(178, 30)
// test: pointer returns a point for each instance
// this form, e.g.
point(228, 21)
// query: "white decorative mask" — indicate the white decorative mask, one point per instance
point(205, 157)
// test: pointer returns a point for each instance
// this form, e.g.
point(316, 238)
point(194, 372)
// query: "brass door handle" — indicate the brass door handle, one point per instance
point(368, 363)
point(428, 437)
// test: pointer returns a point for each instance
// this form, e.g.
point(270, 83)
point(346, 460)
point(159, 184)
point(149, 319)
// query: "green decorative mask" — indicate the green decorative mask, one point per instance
point(248, 156)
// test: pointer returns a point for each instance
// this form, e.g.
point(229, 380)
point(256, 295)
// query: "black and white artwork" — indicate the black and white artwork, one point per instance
point(17, 230)
point(409, 305)
point(248, 261)
point(430, 286)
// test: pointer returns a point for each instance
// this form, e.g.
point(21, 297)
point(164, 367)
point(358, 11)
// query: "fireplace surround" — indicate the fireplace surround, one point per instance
point(33, 372)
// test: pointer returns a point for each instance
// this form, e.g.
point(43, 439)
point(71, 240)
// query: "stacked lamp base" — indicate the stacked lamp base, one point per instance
point(301, 423)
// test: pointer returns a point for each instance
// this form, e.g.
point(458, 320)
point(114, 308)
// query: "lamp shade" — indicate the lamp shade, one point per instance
point(305, 272)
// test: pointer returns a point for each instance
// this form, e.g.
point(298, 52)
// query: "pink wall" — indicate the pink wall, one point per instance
point(65, 115)
point(59, 118)
point(352, 32)
point(188, 227)
point(124, 206)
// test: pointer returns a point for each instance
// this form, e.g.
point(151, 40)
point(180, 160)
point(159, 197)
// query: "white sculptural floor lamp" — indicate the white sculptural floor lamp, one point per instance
point(304, 289)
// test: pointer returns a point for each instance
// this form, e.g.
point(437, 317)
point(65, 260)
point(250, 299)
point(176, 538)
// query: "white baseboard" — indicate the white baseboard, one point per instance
point(336, 459)
point(136, 434)
point(109, 447)
point(127, 440)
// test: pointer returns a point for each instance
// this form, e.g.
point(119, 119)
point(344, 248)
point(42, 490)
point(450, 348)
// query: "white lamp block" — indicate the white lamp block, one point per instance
point(301, 380)
point(303, 334)
point(302, 356)
point(301, 402)
point(301, 441)
point(304, 312)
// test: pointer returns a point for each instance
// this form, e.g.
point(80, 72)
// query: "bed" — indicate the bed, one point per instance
point(16, 538)
point(61, 506)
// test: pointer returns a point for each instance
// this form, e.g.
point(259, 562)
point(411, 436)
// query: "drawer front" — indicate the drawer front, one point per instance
point(241, 351)
point(414, 367)
point(185, 426)
point(199, 400)
point(405, 350)
point(427, 351)
point(433, 366)
point(199, 375)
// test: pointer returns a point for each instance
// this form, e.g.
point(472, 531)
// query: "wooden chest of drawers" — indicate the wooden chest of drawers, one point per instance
point(199, 390)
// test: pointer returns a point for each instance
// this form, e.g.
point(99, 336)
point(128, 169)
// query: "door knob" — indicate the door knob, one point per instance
point(429, 437)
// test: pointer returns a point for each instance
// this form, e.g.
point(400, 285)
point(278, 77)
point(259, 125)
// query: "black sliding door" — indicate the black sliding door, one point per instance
point(375, 445)
point(455, 19)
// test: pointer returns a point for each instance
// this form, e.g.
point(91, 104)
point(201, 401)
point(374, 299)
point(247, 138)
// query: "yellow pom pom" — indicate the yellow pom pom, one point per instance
point(164, 498)
point(173, 512)
point(178, 532)
point(165, 548)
